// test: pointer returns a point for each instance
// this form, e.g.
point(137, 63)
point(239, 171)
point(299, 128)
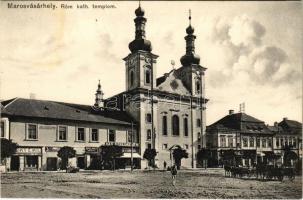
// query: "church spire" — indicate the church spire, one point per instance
point(140, 43)
point(99, 103)
point(190, 57)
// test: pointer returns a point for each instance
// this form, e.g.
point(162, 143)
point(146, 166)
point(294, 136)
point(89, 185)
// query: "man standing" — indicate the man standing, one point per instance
point(174, 174)
point(164, 165)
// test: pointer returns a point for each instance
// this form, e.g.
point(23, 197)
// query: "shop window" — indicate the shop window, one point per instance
point(95, 135)
point(164, 125)
point(148, 134)
point(2, 129)
point(81, 134)
point(31, 161)
point(148, 118)
point(176, 125)
point(185, 127)
point(32, 132)
point(112, 136)
point(62, 133)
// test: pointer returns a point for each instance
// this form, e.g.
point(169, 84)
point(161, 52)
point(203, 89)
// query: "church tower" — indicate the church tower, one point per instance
point(99, 101)
point(192, 73)
point(140, 63)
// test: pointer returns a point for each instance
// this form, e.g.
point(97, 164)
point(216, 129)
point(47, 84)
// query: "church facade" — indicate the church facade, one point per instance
point(152, 113)
point(169, 110)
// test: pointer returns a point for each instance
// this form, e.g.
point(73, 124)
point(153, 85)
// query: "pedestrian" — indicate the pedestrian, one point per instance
point(164, 165)
point(174, 174)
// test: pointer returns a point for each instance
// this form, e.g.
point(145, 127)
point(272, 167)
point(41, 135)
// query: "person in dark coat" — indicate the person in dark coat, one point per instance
point(174, 174)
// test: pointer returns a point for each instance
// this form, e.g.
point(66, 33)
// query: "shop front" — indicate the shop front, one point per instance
point(129, 155)
point(93, 158)
point(52, 161)
point(27, 159)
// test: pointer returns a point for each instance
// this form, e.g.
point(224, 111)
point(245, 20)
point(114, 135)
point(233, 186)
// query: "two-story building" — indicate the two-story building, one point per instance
point(41, 128)
point(288, 134)
point(249, 137)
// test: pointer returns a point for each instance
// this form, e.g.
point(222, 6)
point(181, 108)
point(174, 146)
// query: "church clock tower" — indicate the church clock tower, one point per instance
point(140, 63)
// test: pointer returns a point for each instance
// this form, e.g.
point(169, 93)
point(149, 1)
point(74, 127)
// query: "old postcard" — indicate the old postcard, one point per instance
point(151, 99)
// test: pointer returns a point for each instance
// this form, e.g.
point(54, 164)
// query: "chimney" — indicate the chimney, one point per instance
point(231, 112)
point(32, 96)
point(285, 118)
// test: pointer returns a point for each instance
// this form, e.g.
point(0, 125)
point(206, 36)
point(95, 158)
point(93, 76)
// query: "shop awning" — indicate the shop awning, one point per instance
point(128, 155)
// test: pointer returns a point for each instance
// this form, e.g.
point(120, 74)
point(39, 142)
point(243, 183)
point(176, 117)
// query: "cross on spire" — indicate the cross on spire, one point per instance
point(189, 17)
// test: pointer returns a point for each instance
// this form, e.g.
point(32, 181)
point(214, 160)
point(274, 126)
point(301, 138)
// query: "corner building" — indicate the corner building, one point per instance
point(169, 110)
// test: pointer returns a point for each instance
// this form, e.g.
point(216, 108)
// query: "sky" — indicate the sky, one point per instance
point(252, 52)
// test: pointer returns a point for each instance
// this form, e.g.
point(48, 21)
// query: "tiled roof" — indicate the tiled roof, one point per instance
point(59, 110)
point(290, 127)
point(240, 122)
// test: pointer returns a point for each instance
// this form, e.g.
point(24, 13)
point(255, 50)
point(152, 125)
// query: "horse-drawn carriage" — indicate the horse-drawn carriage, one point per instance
point(260, 171)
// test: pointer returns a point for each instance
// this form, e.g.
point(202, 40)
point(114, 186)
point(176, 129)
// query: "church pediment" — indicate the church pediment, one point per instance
point(172, 84)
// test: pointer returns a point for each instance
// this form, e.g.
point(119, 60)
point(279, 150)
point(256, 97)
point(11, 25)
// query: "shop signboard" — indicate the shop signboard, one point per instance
point(52, 149)
point(122, 144)
point(128, 150)
point(29, 150)
point(91, 149)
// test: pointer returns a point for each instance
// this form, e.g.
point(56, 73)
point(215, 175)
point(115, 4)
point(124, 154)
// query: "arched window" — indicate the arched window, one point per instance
point(185, 126)
point(164, 125)
point(176, 129)
point(131, 78)
point(198, 87)
point(147, 76)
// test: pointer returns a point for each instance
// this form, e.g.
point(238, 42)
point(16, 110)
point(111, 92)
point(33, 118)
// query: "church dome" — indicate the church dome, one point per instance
point(188, 59)
point(190, 30)
point(140, 44)
point(139, 12)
